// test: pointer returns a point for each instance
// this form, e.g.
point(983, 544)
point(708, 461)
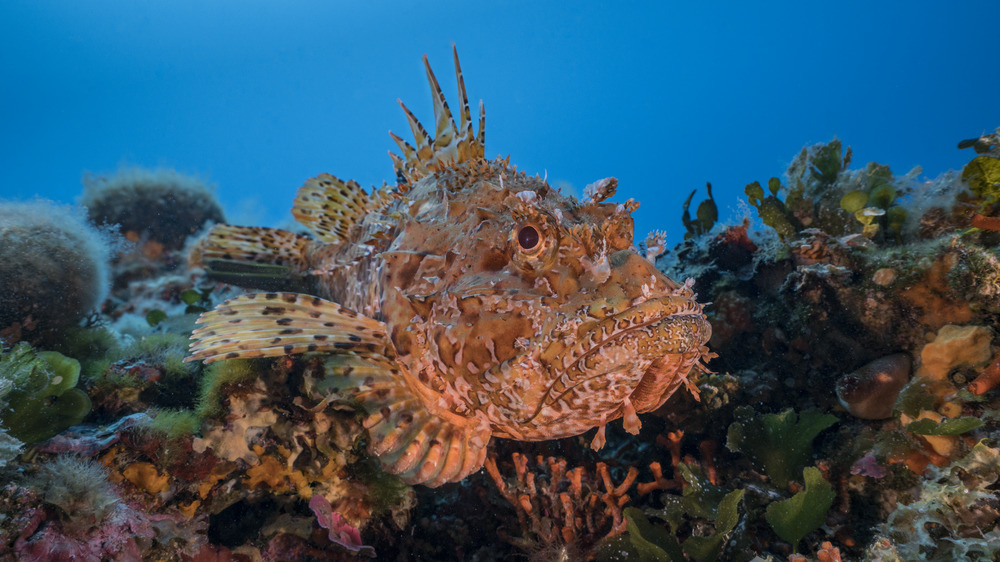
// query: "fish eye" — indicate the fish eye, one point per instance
point(528, 237)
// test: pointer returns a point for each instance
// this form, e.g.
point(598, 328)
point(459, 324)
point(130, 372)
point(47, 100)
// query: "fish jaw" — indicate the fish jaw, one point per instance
point(626, 363)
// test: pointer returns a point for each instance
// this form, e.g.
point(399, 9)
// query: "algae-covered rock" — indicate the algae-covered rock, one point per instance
point(955, 516)
point(54, 270)
point(162, 206)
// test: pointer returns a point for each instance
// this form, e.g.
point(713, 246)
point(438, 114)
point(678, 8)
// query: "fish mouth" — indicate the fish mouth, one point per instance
point(629, 351)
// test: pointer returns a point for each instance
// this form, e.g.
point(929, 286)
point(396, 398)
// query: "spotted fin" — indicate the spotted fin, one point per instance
point(451, 145)
point(329, 206)
point(276, 324)
point(259, 257)
point(420, 445)
point(256, 244)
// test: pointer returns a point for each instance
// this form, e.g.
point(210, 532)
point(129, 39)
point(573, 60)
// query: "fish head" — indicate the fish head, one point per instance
point(534, 309)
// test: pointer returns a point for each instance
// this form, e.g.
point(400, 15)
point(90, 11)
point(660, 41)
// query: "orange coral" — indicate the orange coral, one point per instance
point(559, 506)
point(658, 483)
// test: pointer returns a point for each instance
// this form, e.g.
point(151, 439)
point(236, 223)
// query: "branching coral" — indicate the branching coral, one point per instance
point(559, 506)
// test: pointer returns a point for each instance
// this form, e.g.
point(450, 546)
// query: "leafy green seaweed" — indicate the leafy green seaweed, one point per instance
point(804, 512)
point(38, 398)
point(957, 426)
point(779, 444)
point(708, 549)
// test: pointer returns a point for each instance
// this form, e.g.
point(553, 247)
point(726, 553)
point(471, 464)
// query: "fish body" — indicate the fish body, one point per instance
point(468, 302)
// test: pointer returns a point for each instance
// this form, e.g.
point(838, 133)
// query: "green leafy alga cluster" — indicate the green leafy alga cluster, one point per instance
point(778, 444)
point(38, 394)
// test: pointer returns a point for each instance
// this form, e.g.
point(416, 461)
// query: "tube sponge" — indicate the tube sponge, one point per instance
point(53, 265)
point(160, 205)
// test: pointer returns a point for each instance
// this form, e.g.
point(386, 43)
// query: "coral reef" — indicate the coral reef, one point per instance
point(54, 267)
point(854, 411)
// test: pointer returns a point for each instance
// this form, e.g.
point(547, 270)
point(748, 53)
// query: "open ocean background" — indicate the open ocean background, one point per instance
point(256, 97)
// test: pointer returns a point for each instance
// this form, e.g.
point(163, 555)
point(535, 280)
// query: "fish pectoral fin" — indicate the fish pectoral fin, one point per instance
point(255, 245)
point(276, 324)
point(421, 446)
point(330, 207)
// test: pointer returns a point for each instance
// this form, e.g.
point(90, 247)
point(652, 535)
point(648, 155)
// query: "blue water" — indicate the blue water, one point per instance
point(259, 96)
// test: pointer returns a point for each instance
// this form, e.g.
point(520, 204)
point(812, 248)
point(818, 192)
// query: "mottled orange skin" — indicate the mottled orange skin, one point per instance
point(514, 338)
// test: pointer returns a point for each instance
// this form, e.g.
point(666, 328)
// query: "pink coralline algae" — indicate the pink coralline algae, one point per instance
point(341, 532)
point(117, 538)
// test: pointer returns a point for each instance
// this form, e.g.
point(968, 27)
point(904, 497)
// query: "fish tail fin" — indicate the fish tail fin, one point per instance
point(421, 446)
point(259, 257)
point(277, 324)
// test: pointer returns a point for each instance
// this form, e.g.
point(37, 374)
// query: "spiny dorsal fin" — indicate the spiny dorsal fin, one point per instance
point(276, 324)
point(255, 244)
point(452, 145)
point(329, 207)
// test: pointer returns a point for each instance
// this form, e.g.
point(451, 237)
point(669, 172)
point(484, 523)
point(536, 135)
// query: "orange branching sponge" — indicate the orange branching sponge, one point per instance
point(556, 506)
point(658, 483)
point(707, 450)
point(989, 378)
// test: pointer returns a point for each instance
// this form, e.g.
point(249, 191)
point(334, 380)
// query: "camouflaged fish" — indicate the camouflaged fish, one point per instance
point(470, 301)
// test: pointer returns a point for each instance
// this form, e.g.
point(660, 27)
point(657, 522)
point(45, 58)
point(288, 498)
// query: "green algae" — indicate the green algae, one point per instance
point(38, 394)
point(706, 215)
point(956, 426)
point(173, 424)
point(779, 444)
point(219, 377)
point(804, 512)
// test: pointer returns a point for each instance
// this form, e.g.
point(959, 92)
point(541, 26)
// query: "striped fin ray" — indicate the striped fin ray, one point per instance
point(329, 207)
point(420, 445)
point(256, 244)
point(276, 324)
point(451, 146)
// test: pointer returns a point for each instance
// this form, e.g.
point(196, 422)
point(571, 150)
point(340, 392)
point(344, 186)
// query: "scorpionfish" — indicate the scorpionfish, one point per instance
point(467, 302)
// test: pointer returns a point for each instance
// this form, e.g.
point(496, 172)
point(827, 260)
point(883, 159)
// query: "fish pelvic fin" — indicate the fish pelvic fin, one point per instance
point(421, 444)
point(278, 324)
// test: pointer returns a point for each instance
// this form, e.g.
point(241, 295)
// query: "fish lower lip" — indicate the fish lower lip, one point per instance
point(649, 313)
point(637, 336)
